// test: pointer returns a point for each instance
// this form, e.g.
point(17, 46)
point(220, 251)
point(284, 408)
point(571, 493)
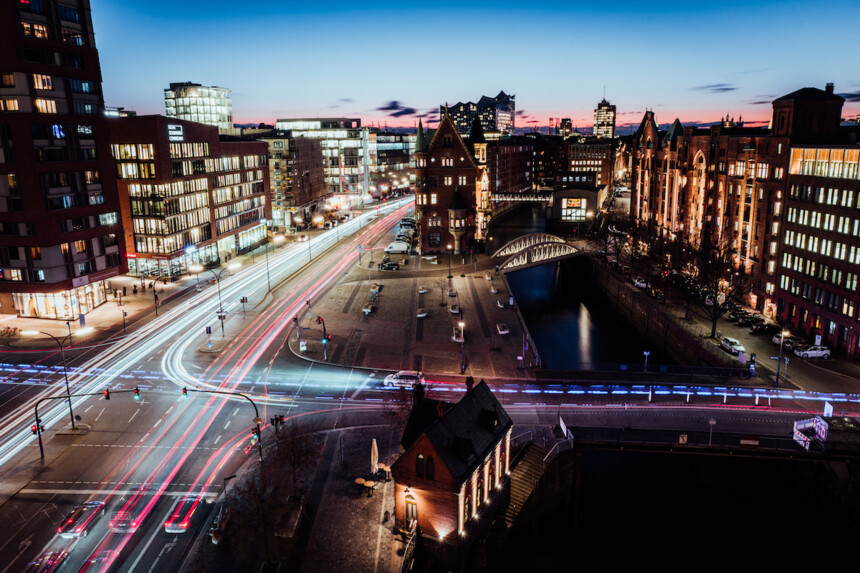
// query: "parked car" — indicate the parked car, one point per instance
point(625, 270)
point(456, 334)
point(422, 313)
point(613, 264)
point(502, 328)
point(389, 266)
point(732, 345)
point(737, 314)
point(302, 238)
point(639, 282)
point(398, 247)
point(790, 343)
point(764, 328)
point(454, 309)
point(656, 294)
point(812, 351)
point(79, 520)
point(403, 379)
point(750, 320)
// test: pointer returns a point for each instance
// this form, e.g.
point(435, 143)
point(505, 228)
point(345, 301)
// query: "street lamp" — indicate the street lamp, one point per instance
point(646, 353)
point(449, 262)
point(462, 324)
point(782, 336)
point(231, 267)
point(278, 239)
point(61, 342)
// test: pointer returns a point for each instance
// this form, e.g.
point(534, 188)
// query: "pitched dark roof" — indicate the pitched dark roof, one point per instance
point(424, 412)
point(420, 141)
point(476, 135)
point(468, 430)
point(810, 94)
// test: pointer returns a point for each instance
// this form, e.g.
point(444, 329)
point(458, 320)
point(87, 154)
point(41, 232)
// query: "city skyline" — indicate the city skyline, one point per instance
point(557, 59)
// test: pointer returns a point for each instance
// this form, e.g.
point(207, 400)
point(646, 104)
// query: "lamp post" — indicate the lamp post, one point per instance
point(462, 324)
point(646, 353)
point(61, 342)
point(449, 262)
point(278, 239)
point(232, 267)
point(782, 336)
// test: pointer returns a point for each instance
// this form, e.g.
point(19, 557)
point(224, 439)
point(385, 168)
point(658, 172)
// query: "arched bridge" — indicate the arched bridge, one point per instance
point(532, 250)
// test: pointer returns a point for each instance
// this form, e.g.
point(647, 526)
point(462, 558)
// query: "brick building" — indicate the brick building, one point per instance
point(187, 197)
point(455, 462)
point(727, 177)
point(446, 177)
point(60, 234)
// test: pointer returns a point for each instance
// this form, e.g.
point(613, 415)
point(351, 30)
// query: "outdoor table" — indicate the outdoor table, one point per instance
point(387, 470)
point(369, 485)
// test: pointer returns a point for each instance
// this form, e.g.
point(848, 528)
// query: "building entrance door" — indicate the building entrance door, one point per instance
point(411, 510)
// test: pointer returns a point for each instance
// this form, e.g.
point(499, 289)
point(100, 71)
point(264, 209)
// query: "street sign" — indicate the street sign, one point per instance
point(828, 410)
point(774, 357)
point(682, 439)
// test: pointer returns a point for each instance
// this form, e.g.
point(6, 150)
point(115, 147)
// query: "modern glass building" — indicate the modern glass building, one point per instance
point(604, 120)
point(204, 104)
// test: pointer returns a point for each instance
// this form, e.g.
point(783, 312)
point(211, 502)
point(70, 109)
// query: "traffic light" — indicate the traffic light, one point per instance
point(34, 429)
point(136, 393)
point(185, 392)
point(319, 320)
point(106, 394)
point(281, 418)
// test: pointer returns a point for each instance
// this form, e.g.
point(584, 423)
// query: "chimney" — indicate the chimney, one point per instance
point(470, 382)
point(829, 88)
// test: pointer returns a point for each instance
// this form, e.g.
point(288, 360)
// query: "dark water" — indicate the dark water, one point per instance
point(572, 326)
point(646, 511)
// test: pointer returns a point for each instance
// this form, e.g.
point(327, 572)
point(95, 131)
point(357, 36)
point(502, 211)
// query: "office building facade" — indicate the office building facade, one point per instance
point(187, 197)
point(496, 114)
point(604, 120)
point(60, 229)
point(209, 105)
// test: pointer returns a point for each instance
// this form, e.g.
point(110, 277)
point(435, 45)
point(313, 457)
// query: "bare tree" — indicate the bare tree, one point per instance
point(260, 499)
point(715, 260)
point(442, 285)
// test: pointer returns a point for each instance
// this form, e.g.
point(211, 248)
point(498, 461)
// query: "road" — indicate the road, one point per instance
point(140, 456)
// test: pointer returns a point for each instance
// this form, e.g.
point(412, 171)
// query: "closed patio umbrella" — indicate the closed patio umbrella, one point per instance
point(374, 456)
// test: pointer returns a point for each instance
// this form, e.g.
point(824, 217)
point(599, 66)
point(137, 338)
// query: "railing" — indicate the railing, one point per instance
point(526, 437)
point(408, 553)
point(556, 449)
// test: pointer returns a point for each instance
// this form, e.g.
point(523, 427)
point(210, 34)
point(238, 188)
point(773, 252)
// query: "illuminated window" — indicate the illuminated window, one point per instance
point(10, 104)
point(35, 30)
point(432, 198)
point(73, 37)
point(42, 82)
point(81, 246)
point(45, 105)
point(448, 181)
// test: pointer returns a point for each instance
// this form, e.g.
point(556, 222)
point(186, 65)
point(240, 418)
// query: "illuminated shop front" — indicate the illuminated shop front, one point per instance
point(573, 209)
point(63, 305)
point(251, 237)
point(147, 266)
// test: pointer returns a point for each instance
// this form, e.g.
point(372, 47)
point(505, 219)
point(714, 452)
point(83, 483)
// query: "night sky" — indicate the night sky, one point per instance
point(391, 62)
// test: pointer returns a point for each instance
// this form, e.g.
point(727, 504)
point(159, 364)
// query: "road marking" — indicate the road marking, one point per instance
point(197, 367)
point(89, 408)
point(360, 388)
point(227, 424)
point(234, 411)
point(133, 415)
point(100, 414)
point(149, 541)
point(218, 438)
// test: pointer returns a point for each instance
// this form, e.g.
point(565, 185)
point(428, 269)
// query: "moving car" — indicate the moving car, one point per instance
point(47, 562)
point(389, 266)
point(123, 522)
point(182, 513)
point(403, 379)
point(812, 351)
point(502, 328)
point(732, 345)
point(100, 561)
point(78, 521)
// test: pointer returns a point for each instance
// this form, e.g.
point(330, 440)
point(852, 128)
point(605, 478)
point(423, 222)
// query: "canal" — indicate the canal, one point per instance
point(571, 324)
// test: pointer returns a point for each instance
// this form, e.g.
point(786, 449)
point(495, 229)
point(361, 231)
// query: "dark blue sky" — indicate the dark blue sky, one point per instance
point(695, 61)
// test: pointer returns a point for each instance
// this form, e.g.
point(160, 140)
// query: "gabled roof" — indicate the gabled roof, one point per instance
point(674, 132)
point(467, 431)
point(476, 135)
point(810, 94)
point(647, 121)
point(445, 122)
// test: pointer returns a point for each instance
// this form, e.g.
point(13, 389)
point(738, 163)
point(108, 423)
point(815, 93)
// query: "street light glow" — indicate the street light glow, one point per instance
point(195, 268)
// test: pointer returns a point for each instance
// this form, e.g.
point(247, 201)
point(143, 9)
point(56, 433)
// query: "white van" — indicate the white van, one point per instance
point(398, 247)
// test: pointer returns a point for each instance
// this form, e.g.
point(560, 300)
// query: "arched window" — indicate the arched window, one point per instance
point(431, 468)
point(479, 500)
point(492, 472)
point(419, 466)
point(467, 509)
